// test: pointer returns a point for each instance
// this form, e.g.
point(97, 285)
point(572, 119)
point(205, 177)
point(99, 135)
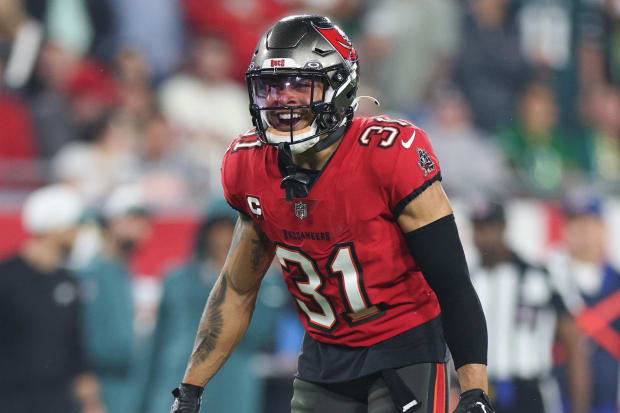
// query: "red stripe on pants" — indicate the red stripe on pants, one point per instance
point(440, 389)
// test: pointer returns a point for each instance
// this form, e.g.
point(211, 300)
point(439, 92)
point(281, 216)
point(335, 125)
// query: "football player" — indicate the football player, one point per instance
point(354, 211)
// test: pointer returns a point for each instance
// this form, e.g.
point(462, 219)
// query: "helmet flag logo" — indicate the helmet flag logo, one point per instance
point(340, 42)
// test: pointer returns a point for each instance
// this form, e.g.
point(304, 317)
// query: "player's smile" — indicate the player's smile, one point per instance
point(282, 119)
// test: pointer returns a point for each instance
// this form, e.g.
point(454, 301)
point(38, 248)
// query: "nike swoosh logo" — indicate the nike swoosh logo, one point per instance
point(409, 405)
point(407, 144)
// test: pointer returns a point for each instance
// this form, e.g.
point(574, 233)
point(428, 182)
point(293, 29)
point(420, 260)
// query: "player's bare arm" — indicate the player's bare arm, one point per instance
point(228, 310)
point(231, 303)
point(431, 207)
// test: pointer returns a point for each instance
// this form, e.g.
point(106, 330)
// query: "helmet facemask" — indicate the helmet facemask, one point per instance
point(289, 106)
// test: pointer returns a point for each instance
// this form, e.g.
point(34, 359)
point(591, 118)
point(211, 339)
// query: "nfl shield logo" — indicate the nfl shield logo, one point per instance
point(301, 210)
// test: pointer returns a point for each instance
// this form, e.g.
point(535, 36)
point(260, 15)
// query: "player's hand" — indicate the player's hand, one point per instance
point(187, 398)
point(474, 401)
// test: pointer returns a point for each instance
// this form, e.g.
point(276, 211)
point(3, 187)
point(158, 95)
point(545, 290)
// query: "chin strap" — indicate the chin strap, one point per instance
point(297, 184)
point(294, 183)
point(330, 140)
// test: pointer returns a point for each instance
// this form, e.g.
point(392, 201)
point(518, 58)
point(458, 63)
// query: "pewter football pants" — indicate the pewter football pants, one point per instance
point(427, 381)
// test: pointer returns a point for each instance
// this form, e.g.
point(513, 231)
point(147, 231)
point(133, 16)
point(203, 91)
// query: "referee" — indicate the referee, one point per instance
point(524, 316)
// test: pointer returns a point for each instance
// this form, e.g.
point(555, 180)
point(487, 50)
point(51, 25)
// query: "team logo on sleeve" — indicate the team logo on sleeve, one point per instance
point(301, 210)
point(425, 161)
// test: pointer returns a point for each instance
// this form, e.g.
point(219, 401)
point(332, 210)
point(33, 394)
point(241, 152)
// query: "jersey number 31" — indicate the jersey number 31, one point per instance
point(342, 264)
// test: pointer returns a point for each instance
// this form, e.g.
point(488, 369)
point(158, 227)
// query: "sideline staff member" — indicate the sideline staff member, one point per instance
point(41, 355)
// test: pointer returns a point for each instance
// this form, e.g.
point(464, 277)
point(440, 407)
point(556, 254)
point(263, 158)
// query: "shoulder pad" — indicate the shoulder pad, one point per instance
point(400, 156)
point(383, 132)
point(248, 140)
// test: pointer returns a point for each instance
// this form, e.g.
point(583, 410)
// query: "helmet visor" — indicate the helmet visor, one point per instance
point(271, 91)
point(285, 100)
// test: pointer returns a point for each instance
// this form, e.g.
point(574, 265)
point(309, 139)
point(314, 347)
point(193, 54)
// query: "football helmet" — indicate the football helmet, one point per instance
point(302, 82)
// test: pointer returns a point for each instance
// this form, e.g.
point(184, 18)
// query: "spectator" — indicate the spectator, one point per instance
point(103, 24)
point(523, 312)
point(42, 365)
point(75, 114)
point(591, 288)
point(165, 171)
point(599, 44)
point(111, 350)
point(472, 165)
point(137, 105)
point(546, 29)
point(85, 27)
point(548, 32)
point(68, 23)
point(51, 107)
point(17, 146)
point(154, 28)
point(408, 47)
point(93, 92)
point(600, 107)
point(489, 68)
point(22, 36)
point(185, 292)
point(205, 107)
point(239, 23)
point(97, 167)
point(137, 97)
point(133, 69)
point(544, 158)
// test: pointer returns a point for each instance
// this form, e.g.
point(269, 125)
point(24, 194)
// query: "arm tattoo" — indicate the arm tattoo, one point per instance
point(211, 323)
point(259, 249)
point(260, 245)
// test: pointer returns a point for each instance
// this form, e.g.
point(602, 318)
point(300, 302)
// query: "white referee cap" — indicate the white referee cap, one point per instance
point(52, 208)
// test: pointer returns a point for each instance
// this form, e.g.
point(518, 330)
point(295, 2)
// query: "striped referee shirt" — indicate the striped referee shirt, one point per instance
point(521, 309)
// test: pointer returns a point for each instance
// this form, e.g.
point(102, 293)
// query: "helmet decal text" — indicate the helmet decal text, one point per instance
point(279, 62)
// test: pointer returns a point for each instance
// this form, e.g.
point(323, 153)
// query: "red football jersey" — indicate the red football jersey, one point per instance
point(343, 255)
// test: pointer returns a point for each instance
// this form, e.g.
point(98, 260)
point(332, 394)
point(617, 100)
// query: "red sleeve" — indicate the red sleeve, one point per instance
point(413, 165)
point(231, 179)
point(235, 179)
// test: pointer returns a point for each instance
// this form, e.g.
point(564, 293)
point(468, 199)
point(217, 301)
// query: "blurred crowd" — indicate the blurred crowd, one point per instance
point(130, 105)
point(520, 97)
